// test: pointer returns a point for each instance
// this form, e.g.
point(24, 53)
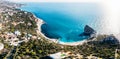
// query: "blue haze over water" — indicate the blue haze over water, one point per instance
point(65, 21)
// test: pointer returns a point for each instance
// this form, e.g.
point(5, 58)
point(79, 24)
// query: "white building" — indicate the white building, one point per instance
point(17, 33)
point(1, 46)
point(0, 26)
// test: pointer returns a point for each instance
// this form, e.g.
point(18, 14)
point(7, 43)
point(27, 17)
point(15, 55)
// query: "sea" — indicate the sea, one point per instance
point(66, 21)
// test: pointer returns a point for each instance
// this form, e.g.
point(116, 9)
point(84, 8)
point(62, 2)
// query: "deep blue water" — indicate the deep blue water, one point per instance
point(65, 21)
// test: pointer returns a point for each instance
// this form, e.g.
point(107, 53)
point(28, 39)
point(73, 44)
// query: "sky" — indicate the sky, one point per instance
point(55, 0)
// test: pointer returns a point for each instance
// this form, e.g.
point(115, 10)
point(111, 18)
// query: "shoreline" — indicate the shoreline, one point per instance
point(40, 22)
point(73, 43)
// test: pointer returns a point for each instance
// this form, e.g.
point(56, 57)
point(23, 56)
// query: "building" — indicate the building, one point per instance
point(1, 46)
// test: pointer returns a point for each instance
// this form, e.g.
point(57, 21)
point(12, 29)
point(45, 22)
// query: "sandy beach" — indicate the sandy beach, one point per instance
point(40, 22)
point(73, 43)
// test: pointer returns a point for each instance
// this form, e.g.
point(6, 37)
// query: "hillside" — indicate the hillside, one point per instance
point(18, 34)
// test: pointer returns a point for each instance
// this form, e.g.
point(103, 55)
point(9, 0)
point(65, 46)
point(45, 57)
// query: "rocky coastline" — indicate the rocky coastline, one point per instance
point(23, 26)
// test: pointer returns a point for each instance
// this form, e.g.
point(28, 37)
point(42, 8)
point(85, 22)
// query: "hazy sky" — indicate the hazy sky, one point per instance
point(55, 0)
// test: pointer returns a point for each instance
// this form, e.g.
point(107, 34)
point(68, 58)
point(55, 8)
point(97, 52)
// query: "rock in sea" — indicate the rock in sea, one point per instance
point(88, 31)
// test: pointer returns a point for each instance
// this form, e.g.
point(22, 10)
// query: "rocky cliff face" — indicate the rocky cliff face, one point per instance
point(110, 40)
point(88, 31)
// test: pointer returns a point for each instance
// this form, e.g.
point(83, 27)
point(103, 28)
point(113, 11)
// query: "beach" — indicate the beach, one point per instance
point(61, 25)
point(40, 22)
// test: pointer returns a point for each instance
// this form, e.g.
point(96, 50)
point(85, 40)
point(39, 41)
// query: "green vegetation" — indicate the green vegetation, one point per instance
point(22, 21)
point(7, 49)
point(19, 21)
point(37, 48)
point(100, 50)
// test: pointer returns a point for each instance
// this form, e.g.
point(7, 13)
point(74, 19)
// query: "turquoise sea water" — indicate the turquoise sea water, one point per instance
point(65, 21)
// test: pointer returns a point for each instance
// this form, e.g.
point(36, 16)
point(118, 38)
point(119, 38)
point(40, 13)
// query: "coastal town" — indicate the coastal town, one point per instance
point(21, 38)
